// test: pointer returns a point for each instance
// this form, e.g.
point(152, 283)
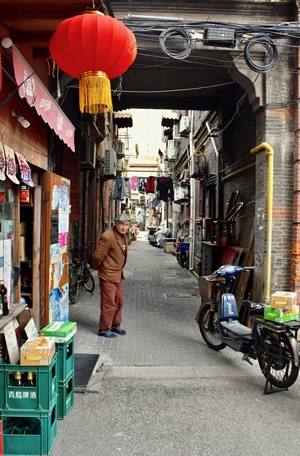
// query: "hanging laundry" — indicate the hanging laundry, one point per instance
point(142, 185)
point(150, 184)
point(134, 182)
point(127, 188)
point(164, 188)
point(119, 190)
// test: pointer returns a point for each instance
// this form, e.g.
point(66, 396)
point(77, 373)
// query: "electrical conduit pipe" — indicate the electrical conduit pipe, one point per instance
point(270, 156)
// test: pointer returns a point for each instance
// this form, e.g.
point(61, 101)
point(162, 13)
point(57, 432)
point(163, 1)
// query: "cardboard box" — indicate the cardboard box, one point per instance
point(65, 339)
point(59, 329)
point(37, 352)
point(279, 315)
point(284, 300)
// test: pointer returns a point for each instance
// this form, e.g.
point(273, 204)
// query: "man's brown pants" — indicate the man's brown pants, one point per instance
point(111, 304)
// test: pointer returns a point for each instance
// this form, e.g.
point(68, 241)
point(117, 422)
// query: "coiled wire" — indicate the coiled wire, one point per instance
point(272, 53)
point(176, 31)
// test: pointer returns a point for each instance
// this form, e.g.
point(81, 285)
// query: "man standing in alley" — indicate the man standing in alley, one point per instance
point(110, 258)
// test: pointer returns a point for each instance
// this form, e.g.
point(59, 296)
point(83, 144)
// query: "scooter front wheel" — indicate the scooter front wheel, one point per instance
point(276, 359)
point(208, 324)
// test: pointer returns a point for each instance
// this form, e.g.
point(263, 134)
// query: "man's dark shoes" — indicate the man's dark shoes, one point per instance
point(108, 334)
point(119, 330)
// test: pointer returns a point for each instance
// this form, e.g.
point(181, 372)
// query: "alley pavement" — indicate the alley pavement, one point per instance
point(161, 303)
point(159, 390)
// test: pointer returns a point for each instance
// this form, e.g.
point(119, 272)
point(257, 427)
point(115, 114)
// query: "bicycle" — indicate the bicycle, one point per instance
point(80, 276)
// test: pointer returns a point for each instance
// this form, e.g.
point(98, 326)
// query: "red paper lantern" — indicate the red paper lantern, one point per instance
point(94, 49)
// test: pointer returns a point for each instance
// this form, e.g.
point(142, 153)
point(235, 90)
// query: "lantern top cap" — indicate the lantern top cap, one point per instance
point(93, 12)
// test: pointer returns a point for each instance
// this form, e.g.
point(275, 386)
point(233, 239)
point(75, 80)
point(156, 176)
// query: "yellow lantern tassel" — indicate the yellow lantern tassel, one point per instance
point(94, 92)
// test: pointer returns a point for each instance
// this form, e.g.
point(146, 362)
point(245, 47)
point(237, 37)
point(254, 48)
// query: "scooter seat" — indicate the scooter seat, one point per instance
point(236, 327)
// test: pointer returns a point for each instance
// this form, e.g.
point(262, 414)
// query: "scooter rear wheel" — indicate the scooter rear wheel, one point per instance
point(208, 325)
point(276, 359)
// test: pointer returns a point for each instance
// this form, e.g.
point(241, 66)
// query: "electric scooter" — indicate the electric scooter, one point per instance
point(273, 344)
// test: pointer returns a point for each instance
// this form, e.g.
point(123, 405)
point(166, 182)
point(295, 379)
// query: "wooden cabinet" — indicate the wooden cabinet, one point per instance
point(211, 254)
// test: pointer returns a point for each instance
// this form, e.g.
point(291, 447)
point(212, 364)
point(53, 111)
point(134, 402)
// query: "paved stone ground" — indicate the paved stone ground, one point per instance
point(161, 303)
point(159, 390)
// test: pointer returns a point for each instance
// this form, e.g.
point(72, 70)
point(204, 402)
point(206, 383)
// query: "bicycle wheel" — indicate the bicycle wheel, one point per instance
point(87, 278)
point(73, 285)
point(276, 359)
point(208, 325)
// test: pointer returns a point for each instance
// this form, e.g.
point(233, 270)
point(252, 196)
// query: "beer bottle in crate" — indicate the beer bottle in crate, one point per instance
point(3, 293)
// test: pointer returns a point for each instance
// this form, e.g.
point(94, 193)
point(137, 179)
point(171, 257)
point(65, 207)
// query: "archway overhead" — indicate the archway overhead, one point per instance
point(175, 84)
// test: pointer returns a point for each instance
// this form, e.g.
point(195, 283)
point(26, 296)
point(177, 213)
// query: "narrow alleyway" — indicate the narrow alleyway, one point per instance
point(159, 390)
point(161, 303)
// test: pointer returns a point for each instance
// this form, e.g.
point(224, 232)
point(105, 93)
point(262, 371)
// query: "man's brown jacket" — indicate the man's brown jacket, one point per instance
point(109, 257)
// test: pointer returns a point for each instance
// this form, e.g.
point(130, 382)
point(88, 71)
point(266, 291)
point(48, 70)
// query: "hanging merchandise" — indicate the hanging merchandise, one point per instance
point(119, 190)
point(93, 48)
point(2, 163)
point(25, 170)
point(24, 194)
point(11, 167)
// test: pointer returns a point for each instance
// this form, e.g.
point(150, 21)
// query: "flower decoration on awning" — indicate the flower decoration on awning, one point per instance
point(93, 48)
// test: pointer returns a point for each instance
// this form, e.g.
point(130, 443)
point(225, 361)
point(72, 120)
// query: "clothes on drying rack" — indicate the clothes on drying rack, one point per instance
point(150, 184)
point(127, 188)
point(119, 189)
point(134, 182)
point(164, 188)
point(142, 185)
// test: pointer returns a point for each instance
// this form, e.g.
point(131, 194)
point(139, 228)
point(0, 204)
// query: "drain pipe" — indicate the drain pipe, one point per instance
point(270, 157)
point(192, 198)
point(217, 171)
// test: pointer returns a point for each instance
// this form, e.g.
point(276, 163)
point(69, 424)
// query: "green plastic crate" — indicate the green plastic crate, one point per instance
point(279, 315)
point(42, 396)
point(65, 397)
point(65, 359)
point(29, 433)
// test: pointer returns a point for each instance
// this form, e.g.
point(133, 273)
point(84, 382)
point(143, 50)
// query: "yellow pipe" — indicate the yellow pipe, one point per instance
point(237, 172)
point(270, 156)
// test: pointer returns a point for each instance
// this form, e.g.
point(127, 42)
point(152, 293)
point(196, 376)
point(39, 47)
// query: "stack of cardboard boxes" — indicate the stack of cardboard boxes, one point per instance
point(283, 307)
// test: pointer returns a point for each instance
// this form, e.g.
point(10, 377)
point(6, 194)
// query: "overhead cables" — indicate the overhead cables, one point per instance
point(176, 31)
point(272, 53)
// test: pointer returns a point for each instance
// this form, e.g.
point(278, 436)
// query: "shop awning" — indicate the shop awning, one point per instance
point(36, 94)
point(169, 117)
point(123, 119)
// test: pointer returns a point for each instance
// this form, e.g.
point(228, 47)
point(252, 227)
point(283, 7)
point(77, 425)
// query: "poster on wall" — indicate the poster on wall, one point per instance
point(57, 258)
point(63, 217)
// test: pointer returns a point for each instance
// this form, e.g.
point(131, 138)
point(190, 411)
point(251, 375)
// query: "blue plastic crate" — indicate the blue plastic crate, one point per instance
point(183, 246)
point(29, 433)
point(41, 396)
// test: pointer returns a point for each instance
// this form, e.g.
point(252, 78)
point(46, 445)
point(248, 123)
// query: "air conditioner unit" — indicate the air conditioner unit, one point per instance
point(120, 165)
point(177, 208)
point(184, 125)
point(88, 153)
point(120, 149)
point(196, 165)
point(180, 194)
point(110, 163)
point(172, 149)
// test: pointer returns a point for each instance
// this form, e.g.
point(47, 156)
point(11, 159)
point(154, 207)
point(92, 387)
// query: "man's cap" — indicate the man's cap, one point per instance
point(121, 218)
